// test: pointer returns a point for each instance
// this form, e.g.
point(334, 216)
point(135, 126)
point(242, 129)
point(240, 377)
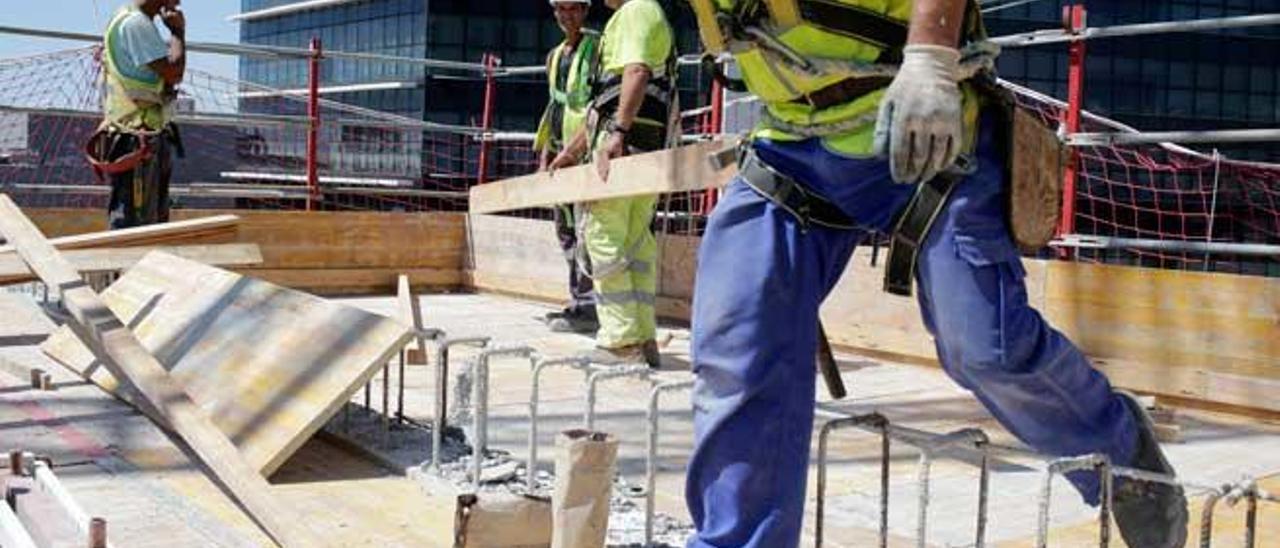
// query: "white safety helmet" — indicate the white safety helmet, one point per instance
point(554, 2)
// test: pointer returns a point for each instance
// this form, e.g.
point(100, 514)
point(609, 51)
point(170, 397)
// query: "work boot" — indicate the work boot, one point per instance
point(631, 354)
point(1149, 514)
point(651, 354)
point(574, 322)
point(550, 316)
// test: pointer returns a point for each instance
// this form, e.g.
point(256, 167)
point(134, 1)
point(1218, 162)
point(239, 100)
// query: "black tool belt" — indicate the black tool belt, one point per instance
point(843, 92)
point(787, 193)
point(912, 229)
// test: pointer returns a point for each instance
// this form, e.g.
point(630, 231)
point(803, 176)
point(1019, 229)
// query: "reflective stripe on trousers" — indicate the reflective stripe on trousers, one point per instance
point(623, 250)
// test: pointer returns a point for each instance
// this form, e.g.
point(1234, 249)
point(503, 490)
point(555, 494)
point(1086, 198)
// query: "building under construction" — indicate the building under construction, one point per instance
point(339, 338)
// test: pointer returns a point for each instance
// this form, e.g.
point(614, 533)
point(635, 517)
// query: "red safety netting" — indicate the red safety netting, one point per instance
point(1166, 206)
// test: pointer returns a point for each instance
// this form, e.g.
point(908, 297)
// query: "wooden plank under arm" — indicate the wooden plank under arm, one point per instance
point(124, 356)
point(144, 235)
point(680, 169)
point(13, 270)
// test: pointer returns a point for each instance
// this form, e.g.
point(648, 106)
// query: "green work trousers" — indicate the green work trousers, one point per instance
point(624, 256)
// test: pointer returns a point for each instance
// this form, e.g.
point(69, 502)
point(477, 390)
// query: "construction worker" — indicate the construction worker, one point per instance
point(569, 78)
point(132, 147)
point(632, 111)
point(872, 122)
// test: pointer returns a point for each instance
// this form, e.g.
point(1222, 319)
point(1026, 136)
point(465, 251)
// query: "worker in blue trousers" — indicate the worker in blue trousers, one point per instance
point(874, 121)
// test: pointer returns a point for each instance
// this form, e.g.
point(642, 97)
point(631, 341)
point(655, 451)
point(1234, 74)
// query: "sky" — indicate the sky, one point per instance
point(206, 22)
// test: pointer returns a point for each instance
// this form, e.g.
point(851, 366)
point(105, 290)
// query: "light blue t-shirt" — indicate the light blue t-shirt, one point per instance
point(138, 42)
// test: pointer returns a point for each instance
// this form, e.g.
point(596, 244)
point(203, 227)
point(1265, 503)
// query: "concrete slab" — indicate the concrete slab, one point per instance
point(133, 462)
point(1213, 451)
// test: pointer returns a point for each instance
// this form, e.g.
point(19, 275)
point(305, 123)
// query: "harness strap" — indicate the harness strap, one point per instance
point(913, 228)
point(98, 150)
point(790, 195)
point(855, 22)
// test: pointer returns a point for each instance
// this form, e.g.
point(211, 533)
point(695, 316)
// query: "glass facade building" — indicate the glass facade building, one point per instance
point(1205, 80)
point(518, 32)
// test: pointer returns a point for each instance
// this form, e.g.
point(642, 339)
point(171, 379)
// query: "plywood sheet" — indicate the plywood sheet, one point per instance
point(270, 365)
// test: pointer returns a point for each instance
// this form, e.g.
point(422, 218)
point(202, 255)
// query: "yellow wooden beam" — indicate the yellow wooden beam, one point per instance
point(680, 169)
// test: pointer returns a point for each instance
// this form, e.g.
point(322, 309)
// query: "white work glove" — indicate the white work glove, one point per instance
point(920, 125)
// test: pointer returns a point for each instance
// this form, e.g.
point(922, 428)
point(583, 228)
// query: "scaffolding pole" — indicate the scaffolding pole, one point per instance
point(1057, 36)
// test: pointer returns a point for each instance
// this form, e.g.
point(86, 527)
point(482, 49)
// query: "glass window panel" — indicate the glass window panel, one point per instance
point(1235, 78)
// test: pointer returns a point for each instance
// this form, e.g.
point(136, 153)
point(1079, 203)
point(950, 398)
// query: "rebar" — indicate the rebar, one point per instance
point(443, 344)
point(1058, 466)
point(531, 462)
point(1251, 518)
point(1206, 516)
point(593, 381)
point(651, 460)
point(873, 420)
point(969, 436)
point(480, 400)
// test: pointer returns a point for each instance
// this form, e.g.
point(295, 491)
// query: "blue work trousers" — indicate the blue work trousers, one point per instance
point(761, 278)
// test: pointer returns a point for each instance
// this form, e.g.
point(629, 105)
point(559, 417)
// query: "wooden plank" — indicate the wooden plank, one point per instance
point(119, 351)
point(146, 235)
point(675, 170)
point(410, 314)
point(13, 270)
point(356, 281)
point(1219, 322)
point(269, 364)
point(24, 323)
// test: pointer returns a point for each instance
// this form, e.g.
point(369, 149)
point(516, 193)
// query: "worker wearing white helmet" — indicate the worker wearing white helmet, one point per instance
point(569, 78)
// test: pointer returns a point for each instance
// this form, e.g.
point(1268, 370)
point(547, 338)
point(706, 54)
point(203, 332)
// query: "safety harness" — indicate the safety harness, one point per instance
point(755, 26)
point(129, 102)
point(652, 128)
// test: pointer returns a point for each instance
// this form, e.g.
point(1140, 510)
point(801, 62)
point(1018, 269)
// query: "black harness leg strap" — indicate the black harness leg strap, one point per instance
point(785, 192)
point(912, 229)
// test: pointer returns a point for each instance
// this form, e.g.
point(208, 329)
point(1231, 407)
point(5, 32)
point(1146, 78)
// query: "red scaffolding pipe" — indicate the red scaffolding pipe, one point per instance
point(313, 125)
point(1074, 18)
point(486, 122)
point(715, 123)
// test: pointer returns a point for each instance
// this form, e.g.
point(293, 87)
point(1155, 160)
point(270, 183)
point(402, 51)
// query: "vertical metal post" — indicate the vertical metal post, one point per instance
point(1206, 517)
point(97, 533)
point(651, 450)
point(716, 123)
point(400, 399)
point(486, 122)
point(1251, 518)
point(1074, 18)
point(313, 124)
